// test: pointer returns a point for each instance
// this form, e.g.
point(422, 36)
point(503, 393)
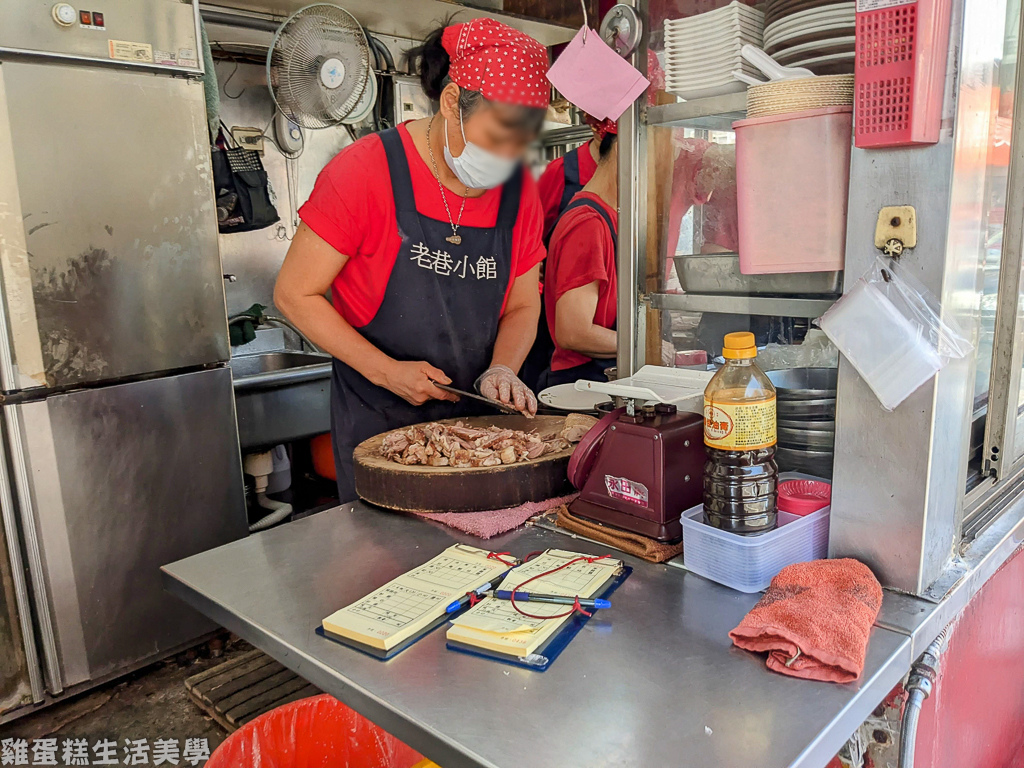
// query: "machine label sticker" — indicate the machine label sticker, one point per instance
point(123, 50)
point(627, 490)
point(864, 6)
point(187, 57)
point(739, 426)
point(165, 57)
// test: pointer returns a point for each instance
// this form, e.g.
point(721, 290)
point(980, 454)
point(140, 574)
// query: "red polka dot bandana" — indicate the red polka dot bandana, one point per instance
point(502, 63)
point(601, 128)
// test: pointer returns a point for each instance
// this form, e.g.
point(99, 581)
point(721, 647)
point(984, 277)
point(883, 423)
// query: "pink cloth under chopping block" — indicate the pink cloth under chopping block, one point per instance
point(489, 524)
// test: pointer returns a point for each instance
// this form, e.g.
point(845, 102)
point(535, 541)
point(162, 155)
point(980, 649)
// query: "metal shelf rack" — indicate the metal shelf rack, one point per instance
point(715, 113)
point(740, 305)
point(638, 305)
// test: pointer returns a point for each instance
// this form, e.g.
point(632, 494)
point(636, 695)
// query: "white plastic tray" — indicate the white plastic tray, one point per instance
point(682, 387)
point(749, 563)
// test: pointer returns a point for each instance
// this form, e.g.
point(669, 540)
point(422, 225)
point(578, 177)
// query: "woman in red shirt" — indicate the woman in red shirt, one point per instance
point(564, 177)
point(580, 285)
point(428, 236)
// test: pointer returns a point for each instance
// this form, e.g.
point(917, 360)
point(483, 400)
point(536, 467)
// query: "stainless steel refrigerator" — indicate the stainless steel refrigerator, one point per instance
point(119, 441)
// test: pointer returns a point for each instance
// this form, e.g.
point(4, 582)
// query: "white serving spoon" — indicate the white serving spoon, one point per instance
point(771, 68)
point(743, 77)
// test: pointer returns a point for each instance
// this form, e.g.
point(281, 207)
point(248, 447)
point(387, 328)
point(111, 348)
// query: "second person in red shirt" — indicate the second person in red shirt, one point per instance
point(581, 282)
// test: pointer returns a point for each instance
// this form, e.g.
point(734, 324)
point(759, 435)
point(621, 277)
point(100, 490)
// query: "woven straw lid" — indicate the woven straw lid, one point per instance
point(782, 96)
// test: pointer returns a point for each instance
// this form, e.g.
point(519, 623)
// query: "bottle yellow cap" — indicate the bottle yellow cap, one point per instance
point(739, 346)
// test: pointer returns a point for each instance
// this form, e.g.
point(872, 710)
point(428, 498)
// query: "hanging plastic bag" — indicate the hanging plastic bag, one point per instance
point(890, 329)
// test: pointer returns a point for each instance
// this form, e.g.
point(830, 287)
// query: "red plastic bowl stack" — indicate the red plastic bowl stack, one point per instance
point(802, 497)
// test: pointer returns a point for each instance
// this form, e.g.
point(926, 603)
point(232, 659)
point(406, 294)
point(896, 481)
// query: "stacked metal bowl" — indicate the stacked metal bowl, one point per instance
point(806, 407)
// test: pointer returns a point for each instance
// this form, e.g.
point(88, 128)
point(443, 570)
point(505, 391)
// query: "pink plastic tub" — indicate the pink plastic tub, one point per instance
point(793, 177)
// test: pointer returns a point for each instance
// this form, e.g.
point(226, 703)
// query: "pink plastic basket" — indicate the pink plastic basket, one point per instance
point(901, 53)
point(793, 177)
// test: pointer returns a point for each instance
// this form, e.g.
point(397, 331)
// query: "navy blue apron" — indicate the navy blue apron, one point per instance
point(593, 370)
point(442, 304)
point(573, 185)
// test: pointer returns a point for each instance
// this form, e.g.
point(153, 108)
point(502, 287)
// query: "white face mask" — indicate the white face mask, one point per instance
point(476, 167)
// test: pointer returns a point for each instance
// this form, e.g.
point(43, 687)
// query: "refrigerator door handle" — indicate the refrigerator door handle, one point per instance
point(44, 620)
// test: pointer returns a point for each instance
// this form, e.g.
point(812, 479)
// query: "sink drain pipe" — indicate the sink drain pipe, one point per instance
point(281, 511)
point(919, 687)
point(260, 466)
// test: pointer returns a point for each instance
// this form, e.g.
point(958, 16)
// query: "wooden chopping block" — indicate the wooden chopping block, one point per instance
point(468, 489)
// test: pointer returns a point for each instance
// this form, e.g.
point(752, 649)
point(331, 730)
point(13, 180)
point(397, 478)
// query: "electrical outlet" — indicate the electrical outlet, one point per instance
point(248, 138)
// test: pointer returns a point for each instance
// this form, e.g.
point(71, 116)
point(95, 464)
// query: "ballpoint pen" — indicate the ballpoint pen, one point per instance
point(459, 604)
point(504, 594)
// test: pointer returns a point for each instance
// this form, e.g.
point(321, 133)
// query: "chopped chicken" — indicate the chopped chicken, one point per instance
point(576, 426)
point(457, 445)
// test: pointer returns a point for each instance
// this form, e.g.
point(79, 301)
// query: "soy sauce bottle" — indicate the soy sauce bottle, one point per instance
point(740, 475)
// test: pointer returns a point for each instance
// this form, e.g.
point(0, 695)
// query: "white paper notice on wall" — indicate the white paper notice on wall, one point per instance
point(864, 6)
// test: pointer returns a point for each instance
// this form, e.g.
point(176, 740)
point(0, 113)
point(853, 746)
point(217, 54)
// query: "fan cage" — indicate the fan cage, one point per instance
point(302, 44)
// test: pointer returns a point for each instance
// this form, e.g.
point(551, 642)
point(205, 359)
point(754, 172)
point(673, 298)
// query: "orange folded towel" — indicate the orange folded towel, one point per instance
point(814, 620)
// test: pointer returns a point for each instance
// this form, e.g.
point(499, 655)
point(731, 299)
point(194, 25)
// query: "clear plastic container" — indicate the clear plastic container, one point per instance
point(793, 178)
point(740, 475)
point(749, 563)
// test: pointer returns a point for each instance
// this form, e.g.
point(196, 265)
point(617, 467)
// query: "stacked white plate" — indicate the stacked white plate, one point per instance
point(820, 38)
point(702, 51)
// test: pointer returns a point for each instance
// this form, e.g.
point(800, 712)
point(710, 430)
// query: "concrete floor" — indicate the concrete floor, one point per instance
point(149, 704)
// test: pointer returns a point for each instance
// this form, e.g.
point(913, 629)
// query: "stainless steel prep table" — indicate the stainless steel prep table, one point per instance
point(653, 682)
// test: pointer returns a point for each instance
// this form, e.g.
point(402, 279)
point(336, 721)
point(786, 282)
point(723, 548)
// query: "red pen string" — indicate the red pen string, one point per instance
point(576, 605)
point(474, 598)
point(500, 557)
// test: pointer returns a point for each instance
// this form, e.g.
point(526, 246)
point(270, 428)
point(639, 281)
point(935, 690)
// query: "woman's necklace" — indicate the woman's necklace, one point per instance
point(456, 238)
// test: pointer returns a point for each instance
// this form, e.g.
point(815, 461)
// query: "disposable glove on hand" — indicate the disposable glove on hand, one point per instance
point(500, 383)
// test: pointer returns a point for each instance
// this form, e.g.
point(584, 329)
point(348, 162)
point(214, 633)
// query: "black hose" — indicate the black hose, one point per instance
point(385, 53)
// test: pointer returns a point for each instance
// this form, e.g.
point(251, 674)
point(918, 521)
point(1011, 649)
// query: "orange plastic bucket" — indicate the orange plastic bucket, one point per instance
point(318, 732)
point(323, 456)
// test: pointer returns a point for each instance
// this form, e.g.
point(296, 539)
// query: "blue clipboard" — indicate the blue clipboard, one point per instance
point(544, 656)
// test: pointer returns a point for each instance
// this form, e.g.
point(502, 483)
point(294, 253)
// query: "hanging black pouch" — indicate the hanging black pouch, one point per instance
point(252, 188)
point(243, 191)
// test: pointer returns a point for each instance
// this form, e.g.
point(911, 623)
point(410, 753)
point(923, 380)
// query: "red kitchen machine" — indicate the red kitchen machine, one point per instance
point(641, 466)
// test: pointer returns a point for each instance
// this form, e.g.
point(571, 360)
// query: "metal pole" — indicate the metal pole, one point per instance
point(228, 17)
point(632, 260)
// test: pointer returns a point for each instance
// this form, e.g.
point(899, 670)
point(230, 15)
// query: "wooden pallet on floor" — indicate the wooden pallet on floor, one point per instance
point(240, 690)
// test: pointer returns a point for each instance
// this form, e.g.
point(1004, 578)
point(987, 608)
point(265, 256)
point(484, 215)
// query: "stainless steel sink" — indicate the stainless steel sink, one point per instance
point(280, 397)
point(272, 369)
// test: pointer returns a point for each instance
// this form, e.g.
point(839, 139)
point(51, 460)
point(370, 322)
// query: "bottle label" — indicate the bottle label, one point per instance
point(739, 426)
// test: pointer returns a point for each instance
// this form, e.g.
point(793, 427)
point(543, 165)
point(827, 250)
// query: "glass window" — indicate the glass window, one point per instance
point(1004, 61)
point(694, 283)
